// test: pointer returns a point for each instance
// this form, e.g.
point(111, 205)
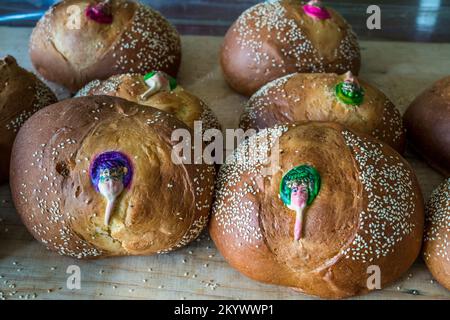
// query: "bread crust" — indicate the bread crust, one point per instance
point(311, 97)
point(427, 122)
point(276, 38)
point(138, 40)
point(53, 193)
point(179, 102)
point(21, 95)
point(349, 226)
point(436, 248)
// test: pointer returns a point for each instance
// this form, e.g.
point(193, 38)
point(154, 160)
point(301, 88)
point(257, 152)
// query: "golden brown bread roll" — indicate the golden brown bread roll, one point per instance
point(21, 95)
point(427, 122)
point(326, 97)
point(177, 101)
point(78, 41)
point(436, 250)
point(280, 37)
point(93, 177)
point(335, 203)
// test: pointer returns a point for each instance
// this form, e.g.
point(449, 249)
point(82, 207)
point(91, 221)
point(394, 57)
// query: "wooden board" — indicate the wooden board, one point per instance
point(28, 271)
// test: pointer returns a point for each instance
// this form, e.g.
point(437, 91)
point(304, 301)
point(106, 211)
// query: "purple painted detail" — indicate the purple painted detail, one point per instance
point(117, 165)
point(100, 12)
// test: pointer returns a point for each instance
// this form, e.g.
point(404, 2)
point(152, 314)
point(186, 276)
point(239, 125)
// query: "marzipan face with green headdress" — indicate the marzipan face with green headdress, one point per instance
point(301, 175)
point(349, 91)
point(158, 81)
point(298, 189)
point(172, 82)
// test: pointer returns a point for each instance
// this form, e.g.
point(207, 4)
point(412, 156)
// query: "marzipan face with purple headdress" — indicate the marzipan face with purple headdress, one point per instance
point(117, 163)
point(111, 172)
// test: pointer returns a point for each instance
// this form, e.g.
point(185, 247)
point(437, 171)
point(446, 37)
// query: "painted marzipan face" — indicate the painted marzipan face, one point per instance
point(316, 10)
point(350, 92)
point(298, 188)
point(158, 81)
point(111, 173)
point(299, 196)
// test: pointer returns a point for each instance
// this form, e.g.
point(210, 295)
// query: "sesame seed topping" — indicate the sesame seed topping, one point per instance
point(232, 212)
point(437, 233)
point(388, 184)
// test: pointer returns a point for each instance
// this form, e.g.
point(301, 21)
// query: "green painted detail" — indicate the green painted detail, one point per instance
point(172, 81)
point(304, 174)
point(149, 75)
point(350, 93)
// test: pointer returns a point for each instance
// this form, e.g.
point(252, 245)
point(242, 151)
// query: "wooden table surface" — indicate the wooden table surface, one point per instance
point(28, 271)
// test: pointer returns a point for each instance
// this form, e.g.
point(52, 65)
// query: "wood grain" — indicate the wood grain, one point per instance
point(27, 270)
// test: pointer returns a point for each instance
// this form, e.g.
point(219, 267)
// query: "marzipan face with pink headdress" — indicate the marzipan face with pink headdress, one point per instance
point(316, 10)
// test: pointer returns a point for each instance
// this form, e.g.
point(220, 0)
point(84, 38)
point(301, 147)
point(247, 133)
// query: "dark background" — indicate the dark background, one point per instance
point(407, 20)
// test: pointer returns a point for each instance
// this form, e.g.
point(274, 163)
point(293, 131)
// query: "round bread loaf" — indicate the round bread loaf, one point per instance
point(176, 100)
point(95, 176)
point(280, 37)
point(427, 122)
point(21, 95)
point(326, 97)
point(436, 249)
point(315, 206)
point(78, 41)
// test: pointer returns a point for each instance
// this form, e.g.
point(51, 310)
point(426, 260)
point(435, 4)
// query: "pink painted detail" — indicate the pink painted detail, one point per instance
point(315, 10)
point(100, 12)
point(299, 198)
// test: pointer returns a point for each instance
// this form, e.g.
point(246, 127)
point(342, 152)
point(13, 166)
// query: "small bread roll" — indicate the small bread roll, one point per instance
point(95, 177)
point(78, 41)
point(313, 206)
point(326, 97)
point(159, 93)
point(21, 95)
point(427, 122)
point(280, 37)
point(436, 249)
